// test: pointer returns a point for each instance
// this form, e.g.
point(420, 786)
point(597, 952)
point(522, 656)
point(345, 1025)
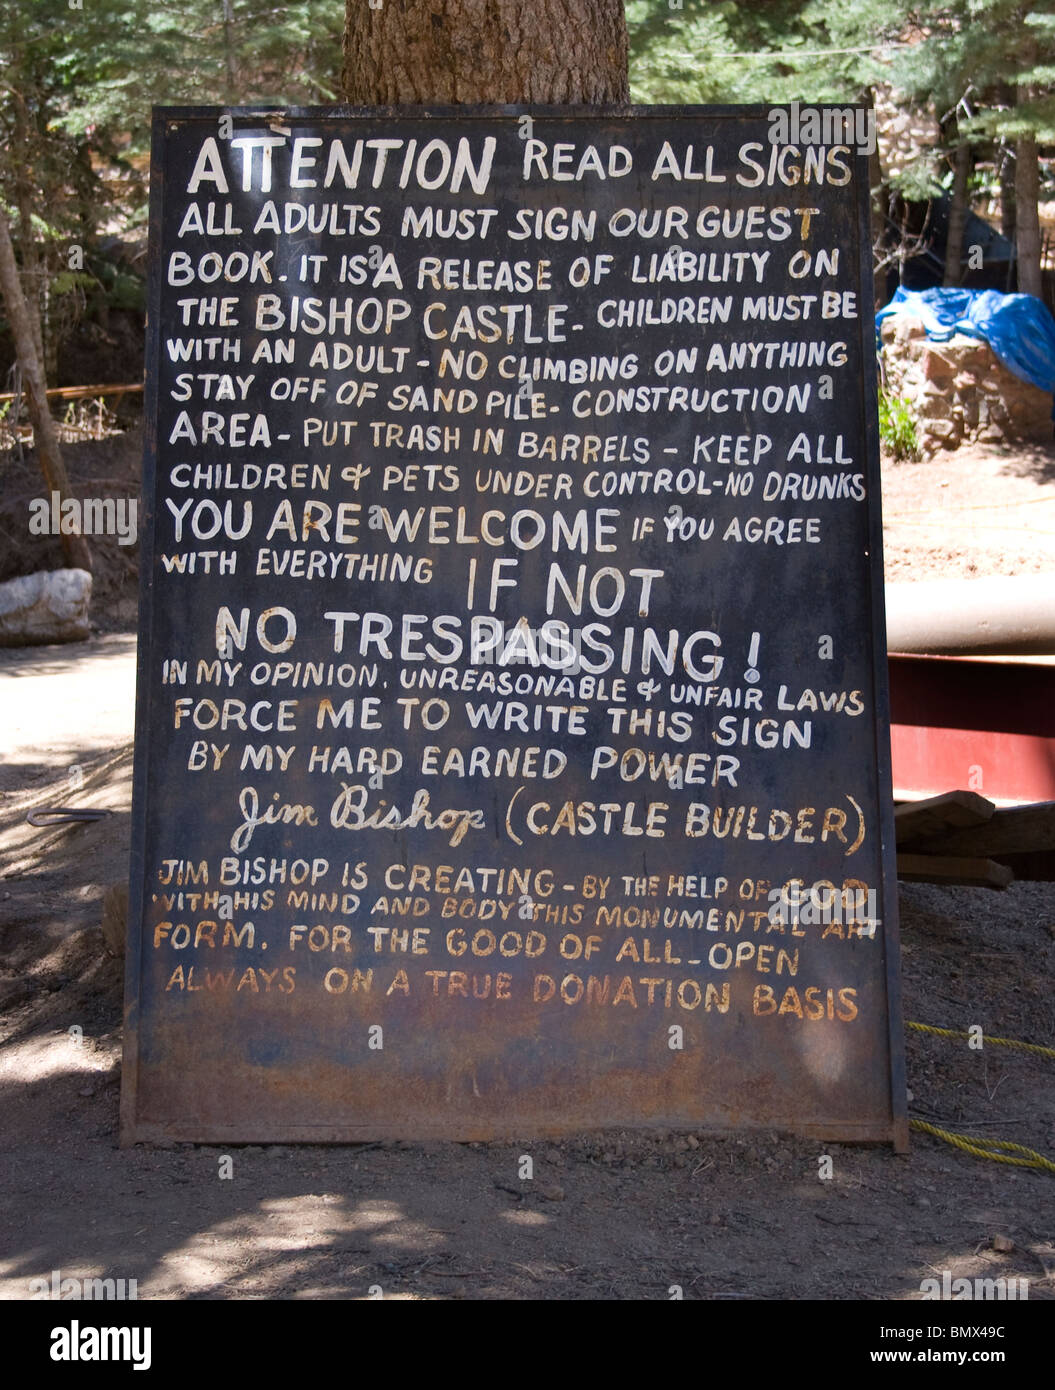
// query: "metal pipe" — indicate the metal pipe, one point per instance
point(999, 616)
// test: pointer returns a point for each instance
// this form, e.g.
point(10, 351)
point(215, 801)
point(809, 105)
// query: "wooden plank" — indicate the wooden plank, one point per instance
point(72, 393)
point(1037, 867)
point(920, 820)
point(1011, 830)
point(936, 868)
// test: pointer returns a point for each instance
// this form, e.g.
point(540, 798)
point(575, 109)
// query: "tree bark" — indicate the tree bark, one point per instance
point(1027, 219)
point(878, 210)
point(24, 200)
point(957, 214)
point(458, 52)
point(228, 54)
point(1027, 196)
point(1004, 95)
point(1007, 195)
point(45, 437)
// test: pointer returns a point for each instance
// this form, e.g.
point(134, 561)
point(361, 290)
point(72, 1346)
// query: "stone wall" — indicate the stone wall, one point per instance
point(904, 133)
point(958, 392)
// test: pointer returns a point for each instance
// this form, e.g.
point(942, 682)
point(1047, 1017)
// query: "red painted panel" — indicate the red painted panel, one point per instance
point(983, 726)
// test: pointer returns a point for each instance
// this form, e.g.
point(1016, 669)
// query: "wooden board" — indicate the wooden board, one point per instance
point(934, 868)
point(917, 821)
point(1011, 830)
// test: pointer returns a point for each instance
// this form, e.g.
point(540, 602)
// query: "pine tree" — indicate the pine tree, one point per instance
point(984, 68)
point(970, 54)
point(75, 103)
point(787, 50)
point(76, 90)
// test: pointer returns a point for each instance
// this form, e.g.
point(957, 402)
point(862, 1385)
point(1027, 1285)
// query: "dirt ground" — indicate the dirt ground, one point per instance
point(969, 513)
point(607, 1216)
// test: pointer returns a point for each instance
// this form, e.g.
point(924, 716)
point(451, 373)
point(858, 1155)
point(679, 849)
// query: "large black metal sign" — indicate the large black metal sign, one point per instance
point(512, 728)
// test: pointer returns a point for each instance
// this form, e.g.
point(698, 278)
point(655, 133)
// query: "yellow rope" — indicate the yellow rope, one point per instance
point(999, 1150)
point(983, 1148)
point(997, 1042)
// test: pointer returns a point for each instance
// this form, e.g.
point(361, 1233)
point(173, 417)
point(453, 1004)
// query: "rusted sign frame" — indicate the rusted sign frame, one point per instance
point(881, 682)
point(256, 1127)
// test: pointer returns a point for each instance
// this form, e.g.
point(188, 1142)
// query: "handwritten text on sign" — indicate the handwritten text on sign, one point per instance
point(508, 719)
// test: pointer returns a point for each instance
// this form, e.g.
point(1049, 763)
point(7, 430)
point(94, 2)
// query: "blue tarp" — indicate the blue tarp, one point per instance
point(1018, 327)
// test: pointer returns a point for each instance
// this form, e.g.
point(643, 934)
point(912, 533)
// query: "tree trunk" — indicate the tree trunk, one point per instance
point(1004, 96)
point(1027, 220)
point(230, 92)
point(1007, 193)
point(878, 209)
point(45, 438)
point(32, 276)
point(458, 52)
point(957, 214)
point(1027, 196)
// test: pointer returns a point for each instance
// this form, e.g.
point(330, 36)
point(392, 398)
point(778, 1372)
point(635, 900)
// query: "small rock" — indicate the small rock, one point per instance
point(1004, 1244)
point(692, 1141)
point(549, 1191)
point(609, 1157)
point(49, 606)
point(553, 1156)
point(86, 1091)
